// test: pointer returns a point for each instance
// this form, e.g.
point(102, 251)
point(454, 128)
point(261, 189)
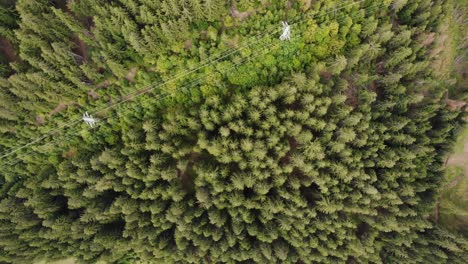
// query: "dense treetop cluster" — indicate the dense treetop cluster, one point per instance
point(327, 148)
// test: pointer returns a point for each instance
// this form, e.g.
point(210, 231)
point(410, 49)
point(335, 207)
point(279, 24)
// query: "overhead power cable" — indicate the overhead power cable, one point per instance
point(210, 61)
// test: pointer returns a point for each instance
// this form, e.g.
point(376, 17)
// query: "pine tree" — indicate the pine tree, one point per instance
point(326, 149)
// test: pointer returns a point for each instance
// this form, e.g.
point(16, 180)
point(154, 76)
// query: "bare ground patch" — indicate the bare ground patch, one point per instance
point(241, 16)
point(104, 84)
point(131, 74)
point(7, 49)
point(81, 50)
point(39, 120)
point(60, 107)
point(351, 93)
point(454, 105)
point(93, 95)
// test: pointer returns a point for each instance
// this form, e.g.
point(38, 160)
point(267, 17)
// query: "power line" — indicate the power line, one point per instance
point(173, 79)
point(140, 94)
point(192, 84)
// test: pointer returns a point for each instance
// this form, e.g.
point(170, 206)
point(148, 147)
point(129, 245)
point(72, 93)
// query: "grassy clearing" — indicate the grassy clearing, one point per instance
point(450, 51)
point(450, 63)
point(453, 206)
point(462, 141)
point(453, 212)
point(461, 39)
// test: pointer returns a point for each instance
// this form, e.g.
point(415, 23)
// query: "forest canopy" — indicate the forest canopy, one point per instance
point(217, 142)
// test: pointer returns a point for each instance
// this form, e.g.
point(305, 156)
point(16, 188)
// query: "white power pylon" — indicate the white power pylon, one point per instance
point(89, 120)
point(286, 31)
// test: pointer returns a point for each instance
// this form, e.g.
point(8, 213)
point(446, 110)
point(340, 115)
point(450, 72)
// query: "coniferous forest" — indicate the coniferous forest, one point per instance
point(216, 141)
